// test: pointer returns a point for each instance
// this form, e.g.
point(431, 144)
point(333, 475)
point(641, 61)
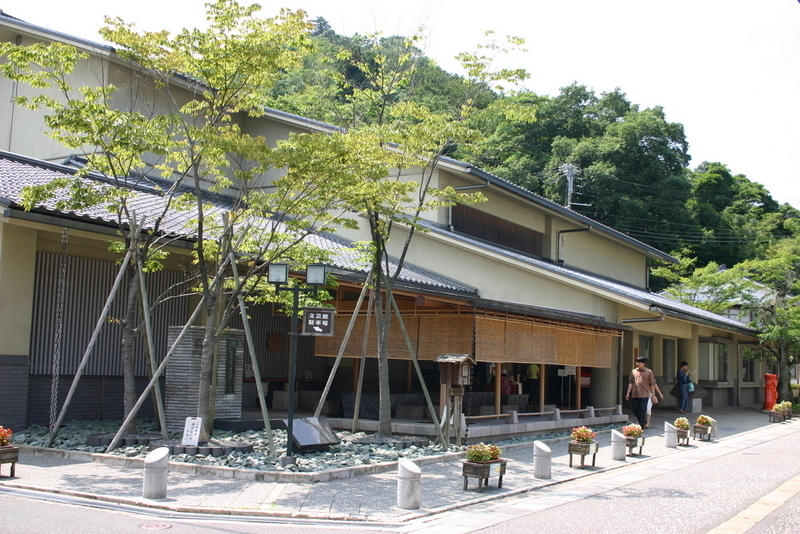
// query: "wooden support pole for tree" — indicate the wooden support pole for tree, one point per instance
point(419, 374)
point(342, 347)
point(170, 352)
point(90, 347)
point(362, 363)
point(151, 348)
point(251, 347)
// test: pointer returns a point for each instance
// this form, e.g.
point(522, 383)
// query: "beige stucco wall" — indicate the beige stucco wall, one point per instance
point(17, 271)
point(21, 129)
point(595, 253)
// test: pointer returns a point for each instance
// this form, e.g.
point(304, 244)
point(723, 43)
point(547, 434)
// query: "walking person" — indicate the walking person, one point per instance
point(641, 383)
point(683, 387)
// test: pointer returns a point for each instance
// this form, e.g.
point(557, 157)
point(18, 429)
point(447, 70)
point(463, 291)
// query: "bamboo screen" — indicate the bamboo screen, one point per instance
point(498, 340)
point(444, 334)
point(329, 346)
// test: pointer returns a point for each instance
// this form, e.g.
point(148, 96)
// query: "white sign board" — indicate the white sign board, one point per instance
point(193, 432)
point(570, 369)
point(494, 470)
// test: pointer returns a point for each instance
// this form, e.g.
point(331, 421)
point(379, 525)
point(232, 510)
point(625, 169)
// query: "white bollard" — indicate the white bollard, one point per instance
point(542, 460)
point(713, 428)
point(618, 447)
point(590, 411)
point(156, 465)
point(557, 415)
point(409, 485)
point(514, 418)
point(670, 435)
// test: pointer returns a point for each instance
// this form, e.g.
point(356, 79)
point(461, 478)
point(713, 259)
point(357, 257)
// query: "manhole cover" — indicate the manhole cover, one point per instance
point(155, 526)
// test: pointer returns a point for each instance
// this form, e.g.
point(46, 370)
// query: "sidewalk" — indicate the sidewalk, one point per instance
point(360, 498)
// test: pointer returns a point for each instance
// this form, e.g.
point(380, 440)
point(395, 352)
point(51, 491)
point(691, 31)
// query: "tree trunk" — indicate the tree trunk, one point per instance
point(784, 374)
point(128, 340)
point(206, 369)
point(382, 326)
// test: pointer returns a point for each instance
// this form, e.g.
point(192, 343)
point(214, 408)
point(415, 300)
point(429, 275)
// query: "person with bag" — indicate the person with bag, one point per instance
point(684, 383)
point(653, 399)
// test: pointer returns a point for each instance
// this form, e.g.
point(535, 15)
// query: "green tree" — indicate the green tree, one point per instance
point(770, 289)
point(380, 109)
point(226, 72)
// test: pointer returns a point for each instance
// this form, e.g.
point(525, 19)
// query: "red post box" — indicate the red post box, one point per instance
point(770, 391)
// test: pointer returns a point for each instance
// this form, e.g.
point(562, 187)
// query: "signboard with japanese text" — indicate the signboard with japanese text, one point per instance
point(318, 321)
point(193, 431)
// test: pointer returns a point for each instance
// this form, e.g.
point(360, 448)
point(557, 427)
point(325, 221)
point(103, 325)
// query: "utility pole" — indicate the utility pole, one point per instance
point(571, 172)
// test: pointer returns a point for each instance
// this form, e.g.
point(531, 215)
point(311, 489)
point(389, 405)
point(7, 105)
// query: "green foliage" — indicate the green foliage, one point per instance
point(482, 453)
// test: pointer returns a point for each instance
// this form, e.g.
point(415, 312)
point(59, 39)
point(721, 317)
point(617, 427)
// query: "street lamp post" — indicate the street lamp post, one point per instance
point(278, 274)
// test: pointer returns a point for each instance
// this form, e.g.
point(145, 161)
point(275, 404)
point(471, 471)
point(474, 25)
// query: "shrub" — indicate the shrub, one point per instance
point(483, 453)
point(632, 431)
point(704, 420)
point(682, 423)
point(582, 434)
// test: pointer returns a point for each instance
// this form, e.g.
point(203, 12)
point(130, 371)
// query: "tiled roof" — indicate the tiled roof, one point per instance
point(557, 208)
point(18, 171)
point(670, 307)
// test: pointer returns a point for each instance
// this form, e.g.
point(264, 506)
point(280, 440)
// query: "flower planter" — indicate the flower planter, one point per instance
point(702, 432)
point(483, 471)
point(583, 448)
point(9, 454)
point(633, 442)
point(683, 436)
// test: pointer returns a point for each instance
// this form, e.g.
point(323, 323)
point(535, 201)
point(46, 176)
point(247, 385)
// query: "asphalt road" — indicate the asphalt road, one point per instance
point(750, 485)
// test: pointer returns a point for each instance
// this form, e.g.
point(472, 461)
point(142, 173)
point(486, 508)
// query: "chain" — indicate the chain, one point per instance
point(59, 330)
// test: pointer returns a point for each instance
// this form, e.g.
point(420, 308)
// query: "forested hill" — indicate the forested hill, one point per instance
point(629, 166)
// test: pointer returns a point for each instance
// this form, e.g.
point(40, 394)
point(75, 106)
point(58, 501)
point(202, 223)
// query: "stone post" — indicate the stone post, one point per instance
point(409, 485)
point(155, 474)
point(514, 418)
point(542, 460)
point(618, 410)
point(590, 411)
point(713, 428)
point(618, 442)
point(670, 435)
point(557, 414)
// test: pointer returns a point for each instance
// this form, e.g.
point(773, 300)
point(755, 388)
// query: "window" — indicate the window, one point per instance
point(646, 349)
point(713, 361)
point(749, 359)
point(669, 365)
point(478, 224)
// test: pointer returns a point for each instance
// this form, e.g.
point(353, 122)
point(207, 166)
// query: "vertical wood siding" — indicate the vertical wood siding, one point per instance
point(88, 283)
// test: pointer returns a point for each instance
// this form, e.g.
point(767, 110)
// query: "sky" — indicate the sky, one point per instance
point(728, 70)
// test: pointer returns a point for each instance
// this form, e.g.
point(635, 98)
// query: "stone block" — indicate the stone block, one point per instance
point(409, 412)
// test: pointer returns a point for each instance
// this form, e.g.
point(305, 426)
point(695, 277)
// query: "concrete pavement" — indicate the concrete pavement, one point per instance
point(372, 497)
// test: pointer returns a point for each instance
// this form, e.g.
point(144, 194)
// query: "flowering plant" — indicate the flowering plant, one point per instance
point(5, 436)
point(682, 423)
point(483, 453)
point(582, 434)
point(704, 420)
point(632, 431)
